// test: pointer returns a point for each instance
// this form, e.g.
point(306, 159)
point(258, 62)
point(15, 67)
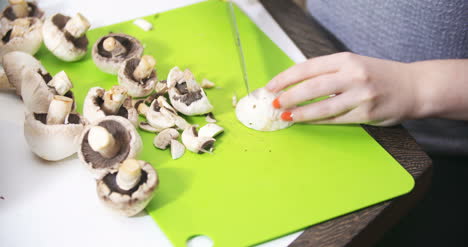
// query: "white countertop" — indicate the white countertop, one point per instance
point(54, 203)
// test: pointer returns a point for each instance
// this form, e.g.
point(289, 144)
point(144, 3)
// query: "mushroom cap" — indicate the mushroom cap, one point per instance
point(256, 111)
point(110, 64)
point(61, 43)
point(93, 112)
point(53, 142)
point(15, 63)
point(128, 202)
point(29, 43)
point(136, 88)
point(34, 11)
point(124, 134)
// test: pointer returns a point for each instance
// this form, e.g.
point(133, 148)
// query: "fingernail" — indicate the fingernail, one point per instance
point(276, 103)
point(287, 116)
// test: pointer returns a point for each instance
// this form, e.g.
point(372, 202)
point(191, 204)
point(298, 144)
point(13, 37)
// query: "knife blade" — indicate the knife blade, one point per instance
point(240, 52)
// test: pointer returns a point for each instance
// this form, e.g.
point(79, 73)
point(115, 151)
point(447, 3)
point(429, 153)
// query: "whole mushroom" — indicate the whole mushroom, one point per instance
point(108, 142)
point(128, 190)
point(22, 34)
point(66, 37)
point(138, 76)
point(20, 9)
point(100, 103)
point(54, 135)
point(111, 51)
point(186, 95)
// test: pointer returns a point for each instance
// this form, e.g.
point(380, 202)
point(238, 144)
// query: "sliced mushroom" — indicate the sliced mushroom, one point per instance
point(138, 76)
point(54, 135)
point(161, 115)
point(207, 84)
point(16, 63)
point(100, 103)
point(163, 139)
point(177, 149)
point(108, 142)
point(181, 123)
point(210, 130)
point(36, 92)
point(66, 37)
point(256, 111)
point(186, 95)
point(22, 34)
point(128, 190)
point(147, 127)
point(210, 118)
point(195, 143)
point(111, 51)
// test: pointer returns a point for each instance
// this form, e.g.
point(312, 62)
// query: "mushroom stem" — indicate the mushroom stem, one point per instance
point(61, 83)
point(77, 25)
point(103, 142)
point(59, 108)
point(114, 46)
point(20, 8)
point(129, 174)
point(144, 68)
point(113, 99)
point(20, 27)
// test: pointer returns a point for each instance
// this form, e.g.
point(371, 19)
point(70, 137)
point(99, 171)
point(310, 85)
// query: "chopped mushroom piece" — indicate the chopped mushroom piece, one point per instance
point(141, 107)
point(66, 37)
point(210, 118)
point(161, 115)
point(22, 34)
point(100, 103)
point(128, 190)
point(108, 142)
point(161, 87)
point(186, 95)
point(138, 76)
point(111, 51)
point(177, 149)
point(207, 84)
point(54, 135)
point(163, 139)
point(147, 127)
point(210, 130)
point(143, 24)
point(195, 143)
point(61, 83)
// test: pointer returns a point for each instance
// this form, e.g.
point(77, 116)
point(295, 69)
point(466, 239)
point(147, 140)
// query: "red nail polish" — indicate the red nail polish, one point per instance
point(276, 103)
point(287, 116)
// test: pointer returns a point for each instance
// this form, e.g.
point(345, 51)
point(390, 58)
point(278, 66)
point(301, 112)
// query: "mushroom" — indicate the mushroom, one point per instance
point(38, 89)
point(161, 87)
point(177, 149)
point(207, 84)
point(15, 63)
point(147, 127)
point(54, 135)
point(4, 83)
point(210, 118)
point(128, 190)
point(138, 76)
point(111, 51)
point(141, 107)
point(256, 111)
point(195, 143)
point(107, 142)
point(163, 139)
point(186, 95)
point(210, 130)
point(100, 103)
point(22, 34)
point(21, 9)
point(66, 37)
point(160, 114)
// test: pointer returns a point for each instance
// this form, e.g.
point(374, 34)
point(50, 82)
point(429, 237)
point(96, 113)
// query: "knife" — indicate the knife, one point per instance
point(240, 52)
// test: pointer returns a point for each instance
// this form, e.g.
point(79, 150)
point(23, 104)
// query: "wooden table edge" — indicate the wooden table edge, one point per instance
point(364, 227)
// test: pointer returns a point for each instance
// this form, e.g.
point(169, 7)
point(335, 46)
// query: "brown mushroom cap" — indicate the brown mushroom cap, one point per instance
point(136, 88)
point(124, 134)
point(111, 64)
point(34, 11)
point(128, 202)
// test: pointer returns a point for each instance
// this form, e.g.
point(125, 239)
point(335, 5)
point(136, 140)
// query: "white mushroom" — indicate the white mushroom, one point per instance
point(108, 142)
point(186, 95)
point(61, 83)
point(160, 114)
point(111, 51)
point(207, 84)
point(181, 123)
point(66, 37)
point(141, 107)
point(16, 63)
point(100, 103)
point(147, 127)
point(196, 143)
point(210, 118)
point(21, 9)
point(4, 83)
point(128, 190)
point(161, 87)
point(210, 130)
point(138, 76)
point(52, 136)
point(257, 112)
point(163, 139)
point(177, 149)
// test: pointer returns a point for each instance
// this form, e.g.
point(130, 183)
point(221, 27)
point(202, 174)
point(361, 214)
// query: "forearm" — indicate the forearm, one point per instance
point(443, 88)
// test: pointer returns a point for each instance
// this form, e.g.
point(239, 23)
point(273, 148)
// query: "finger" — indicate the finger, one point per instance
point(324, 109)
point(316, 87)
point(299, 72)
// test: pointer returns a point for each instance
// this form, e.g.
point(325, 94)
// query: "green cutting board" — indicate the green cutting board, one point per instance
point(256, 186)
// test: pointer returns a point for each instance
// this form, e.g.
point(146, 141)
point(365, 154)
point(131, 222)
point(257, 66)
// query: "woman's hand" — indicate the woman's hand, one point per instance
point(366, 90)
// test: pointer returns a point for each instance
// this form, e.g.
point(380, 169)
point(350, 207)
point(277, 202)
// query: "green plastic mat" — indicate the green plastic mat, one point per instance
point(256, 186)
